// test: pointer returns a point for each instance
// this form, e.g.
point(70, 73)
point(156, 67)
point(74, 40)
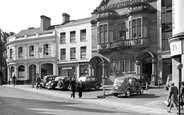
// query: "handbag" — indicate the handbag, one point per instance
point(167, 102)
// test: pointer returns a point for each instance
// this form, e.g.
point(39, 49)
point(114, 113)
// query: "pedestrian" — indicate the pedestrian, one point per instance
point(73, 86)
point(182, 94)
point(80, 88)
point(14, 80)
point(173, 97)
point(38, 81)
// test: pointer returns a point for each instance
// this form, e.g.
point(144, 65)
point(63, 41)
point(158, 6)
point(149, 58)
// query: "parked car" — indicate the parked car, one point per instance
point(90, 82)
point(53, 83)
point(168, 82)
point(46, 79)
point(127, 85)
point(63, 82)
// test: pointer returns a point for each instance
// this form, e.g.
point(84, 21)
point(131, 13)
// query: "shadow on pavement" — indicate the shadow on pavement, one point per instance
point(141, 96)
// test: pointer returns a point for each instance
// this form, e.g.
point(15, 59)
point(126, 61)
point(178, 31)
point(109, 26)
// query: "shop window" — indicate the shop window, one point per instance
point(72, 36)
point(63, 54)
point(45, 49)
point(21, 71)
point(83, 35)
point(31, 51)
point(20, 52)
point(83, 70)
point(72, 53)
point(62, 37)
point(83, 52)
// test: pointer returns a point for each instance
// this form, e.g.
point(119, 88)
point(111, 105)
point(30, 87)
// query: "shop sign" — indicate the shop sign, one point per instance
point(175, 48)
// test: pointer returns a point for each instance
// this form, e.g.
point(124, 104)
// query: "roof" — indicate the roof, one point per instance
point(28, 32)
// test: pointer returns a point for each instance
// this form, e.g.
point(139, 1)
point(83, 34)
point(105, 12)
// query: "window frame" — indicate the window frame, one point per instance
point(31, 51)
point(20, 52)
point(62, 54)
point(72, 36)
point(46, 49)
point(83, 52)
point(72, 53)
point(63, 37)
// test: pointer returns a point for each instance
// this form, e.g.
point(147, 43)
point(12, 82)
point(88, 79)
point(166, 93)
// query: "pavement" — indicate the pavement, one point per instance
point(150, 103)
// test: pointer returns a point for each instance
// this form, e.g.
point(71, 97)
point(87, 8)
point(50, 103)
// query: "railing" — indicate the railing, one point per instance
point(124, 43)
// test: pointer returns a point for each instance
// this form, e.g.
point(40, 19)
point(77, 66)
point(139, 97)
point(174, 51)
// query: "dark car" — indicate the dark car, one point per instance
point(127, 85)
point(46, 79)
point(53, 83)
point(90, 82)
point(63, 82)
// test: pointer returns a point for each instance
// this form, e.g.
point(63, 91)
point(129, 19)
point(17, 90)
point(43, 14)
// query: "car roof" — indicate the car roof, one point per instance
point(137, 76)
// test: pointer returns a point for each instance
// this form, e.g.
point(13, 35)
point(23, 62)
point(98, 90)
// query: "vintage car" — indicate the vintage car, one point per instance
point(127, 85)
point(63, 82)
point(90, 82)
point(53, 83)
point(46, 79)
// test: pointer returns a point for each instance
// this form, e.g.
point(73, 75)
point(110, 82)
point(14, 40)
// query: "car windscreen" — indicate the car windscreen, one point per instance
point(118, 81)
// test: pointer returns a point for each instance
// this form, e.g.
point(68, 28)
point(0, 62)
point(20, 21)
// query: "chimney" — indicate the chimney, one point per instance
point(45, 22)
point(66, 17)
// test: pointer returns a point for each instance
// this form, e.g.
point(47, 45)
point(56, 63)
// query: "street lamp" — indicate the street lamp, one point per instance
point(179, 66)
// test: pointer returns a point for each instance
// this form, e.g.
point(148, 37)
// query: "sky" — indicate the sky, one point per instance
point(17, 15)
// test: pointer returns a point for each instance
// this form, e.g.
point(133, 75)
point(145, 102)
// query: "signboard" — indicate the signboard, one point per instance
point(177, 16)
point(175, 48)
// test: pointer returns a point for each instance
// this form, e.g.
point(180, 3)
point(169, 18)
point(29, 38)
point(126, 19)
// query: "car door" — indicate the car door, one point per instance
point(87, 82)
point(135, 85)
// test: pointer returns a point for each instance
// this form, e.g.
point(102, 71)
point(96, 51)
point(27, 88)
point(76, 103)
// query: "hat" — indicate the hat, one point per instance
point(172, 83)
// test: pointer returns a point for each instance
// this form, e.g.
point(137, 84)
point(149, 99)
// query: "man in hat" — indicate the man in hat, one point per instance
point(173, 96)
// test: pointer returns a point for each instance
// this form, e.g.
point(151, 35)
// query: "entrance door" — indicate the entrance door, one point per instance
point(147, 67)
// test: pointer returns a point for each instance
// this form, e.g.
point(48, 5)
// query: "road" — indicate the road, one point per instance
point(18, 102)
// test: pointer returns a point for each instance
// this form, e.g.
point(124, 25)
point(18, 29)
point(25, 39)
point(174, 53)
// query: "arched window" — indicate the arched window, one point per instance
point(20, 51)
point(46, 49)
point(11, 53)
point(21, 71)
point(31, 51)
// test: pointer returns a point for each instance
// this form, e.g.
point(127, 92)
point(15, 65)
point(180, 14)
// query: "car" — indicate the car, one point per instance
point(63, 83)
point(53, 83)
point(143, 79)
point(90, 82)
point(127, 85)
point(46, 79)
point(168, 82)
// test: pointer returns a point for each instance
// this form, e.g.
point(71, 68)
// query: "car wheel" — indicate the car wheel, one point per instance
point(141, 91)
point(97, 87)
point(115, 94)
point(128, 93)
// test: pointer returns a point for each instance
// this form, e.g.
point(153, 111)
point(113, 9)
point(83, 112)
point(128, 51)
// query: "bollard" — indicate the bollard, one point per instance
point(103, 91)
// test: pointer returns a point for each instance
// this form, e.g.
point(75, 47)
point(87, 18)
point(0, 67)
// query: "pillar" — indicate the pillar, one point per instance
point(103, 73)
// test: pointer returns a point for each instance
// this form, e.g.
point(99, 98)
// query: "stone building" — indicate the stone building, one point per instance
point(32, 51)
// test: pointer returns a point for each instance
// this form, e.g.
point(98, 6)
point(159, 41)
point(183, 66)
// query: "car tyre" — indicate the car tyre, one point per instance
point(128, 93)
point(115, 94)
point(97, 87)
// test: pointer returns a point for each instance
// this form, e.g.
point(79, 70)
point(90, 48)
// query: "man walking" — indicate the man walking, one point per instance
point(38, 81)
point(14, 80)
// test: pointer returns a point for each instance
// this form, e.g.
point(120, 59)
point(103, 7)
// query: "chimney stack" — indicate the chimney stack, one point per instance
point(66, 17)
point(45, 22)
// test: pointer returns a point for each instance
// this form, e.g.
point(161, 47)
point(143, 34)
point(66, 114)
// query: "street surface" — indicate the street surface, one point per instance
point(18, 102)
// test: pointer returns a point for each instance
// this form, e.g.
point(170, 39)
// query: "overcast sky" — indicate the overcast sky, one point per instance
point(17, 15)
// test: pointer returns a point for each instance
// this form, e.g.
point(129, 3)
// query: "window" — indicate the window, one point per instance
point(123, 66)
point(103, 33)
point(72, 36)
point(45, 49)
point(83, 52)
point(138, 28)
point(11, 53)
point(83, 70)
point(21, 71)
point(31, 51)
point(166, 2)
point(20, 51)
point(72, 53)
point(83, 35)
point(63, 54)
point(121, 31)
point(62, 37)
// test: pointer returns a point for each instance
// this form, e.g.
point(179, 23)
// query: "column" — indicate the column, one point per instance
point(90, 70)
point(9, 67)
point(153, 75)
point(103, 73)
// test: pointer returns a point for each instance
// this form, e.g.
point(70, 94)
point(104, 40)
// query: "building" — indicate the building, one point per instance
point(133, 37)
point(32, 51)
point(74, 47)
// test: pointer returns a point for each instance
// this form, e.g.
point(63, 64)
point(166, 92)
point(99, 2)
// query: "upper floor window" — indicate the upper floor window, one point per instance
point(72, 53)
point(62, 37)
point(31, 51)
point(166, 2)
point(45, 49)
point(138, 28)
point(11, 53)
point(20, 52)
point(121, 31)
point(103, 33)
point(72, 36)
point(83, 52)
point(63, 54)
point(83, 35)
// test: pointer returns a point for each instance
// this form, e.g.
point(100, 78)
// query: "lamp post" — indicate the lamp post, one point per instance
point(179, 66)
